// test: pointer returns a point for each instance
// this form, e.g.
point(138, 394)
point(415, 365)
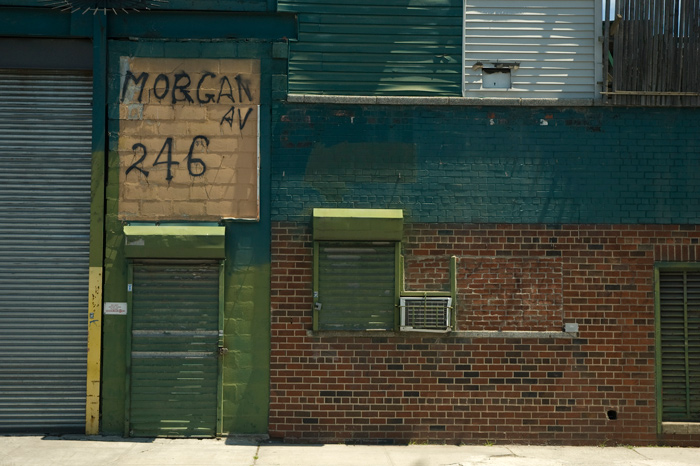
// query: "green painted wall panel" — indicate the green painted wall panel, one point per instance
point(371, 7)
point(428, 25)
point(394, 47)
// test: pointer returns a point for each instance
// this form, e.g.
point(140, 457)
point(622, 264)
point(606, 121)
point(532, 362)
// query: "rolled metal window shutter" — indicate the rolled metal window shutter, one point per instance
point(174, 348)
point(45, 167)
point(680, 345)
point(356, 285)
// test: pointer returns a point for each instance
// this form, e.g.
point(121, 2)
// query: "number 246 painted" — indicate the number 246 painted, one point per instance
point(195, 166)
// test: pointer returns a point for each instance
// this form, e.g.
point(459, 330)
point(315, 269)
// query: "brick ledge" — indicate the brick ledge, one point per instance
point(454, 101)
point(688, 428)
point(446, 336)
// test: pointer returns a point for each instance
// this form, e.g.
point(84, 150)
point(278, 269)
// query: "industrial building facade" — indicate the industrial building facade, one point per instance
point(387, 222)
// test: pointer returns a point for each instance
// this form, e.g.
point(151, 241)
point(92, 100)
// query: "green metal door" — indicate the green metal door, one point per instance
point(175, 340)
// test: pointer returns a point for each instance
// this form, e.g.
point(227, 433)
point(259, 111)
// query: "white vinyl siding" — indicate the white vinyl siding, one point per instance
point(555, 43)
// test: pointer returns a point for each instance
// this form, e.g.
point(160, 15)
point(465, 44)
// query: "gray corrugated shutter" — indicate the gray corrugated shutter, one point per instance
point(356, 284)
point(174, 348)
point(680, 345)
point(45, 166)
point(554, 41)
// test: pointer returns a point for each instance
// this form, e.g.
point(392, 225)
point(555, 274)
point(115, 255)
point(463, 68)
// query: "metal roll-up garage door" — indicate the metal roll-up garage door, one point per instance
point(45, 166)
point(175, 316)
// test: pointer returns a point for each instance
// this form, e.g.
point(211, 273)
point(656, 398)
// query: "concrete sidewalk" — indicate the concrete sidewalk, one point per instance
point(79, 450)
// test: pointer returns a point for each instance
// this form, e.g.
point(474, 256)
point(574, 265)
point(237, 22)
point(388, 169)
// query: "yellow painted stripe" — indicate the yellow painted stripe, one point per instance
point(92, 406)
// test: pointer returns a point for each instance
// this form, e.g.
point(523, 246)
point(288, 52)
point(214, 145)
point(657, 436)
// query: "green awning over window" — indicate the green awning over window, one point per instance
point(174, 241)
point(358, 224)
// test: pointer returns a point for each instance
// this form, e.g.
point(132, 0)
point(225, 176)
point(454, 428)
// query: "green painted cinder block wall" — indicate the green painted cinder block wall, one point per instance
point(247, 272)
point(481, 164)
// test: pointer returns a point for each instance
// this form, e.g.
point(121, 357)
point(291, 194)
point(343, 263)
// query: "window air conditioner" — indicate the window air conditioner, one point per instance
point(425, 314)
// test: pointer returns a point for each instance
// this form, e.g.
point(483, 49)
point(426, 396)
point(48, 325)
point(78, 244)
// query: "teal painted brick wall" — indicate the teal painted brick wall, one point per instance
point(488, 164)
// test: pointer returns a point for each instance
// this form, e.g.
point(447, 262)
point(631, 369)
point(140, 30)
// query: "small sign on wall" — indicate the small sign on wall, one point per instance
point(188, 139)
point(115, 309)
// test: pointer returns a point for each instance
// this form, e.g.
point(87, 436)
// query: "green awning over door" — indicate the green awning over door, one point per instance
point(175, 241)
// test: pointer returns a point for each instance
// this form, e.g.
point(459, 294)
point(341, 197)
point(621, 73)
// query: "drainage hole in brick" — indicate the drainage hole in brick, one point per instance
point(612, 415)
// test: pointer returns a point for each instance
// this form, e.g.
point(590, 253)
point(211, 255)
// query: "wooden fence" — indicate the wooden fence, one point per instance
point(653, 52)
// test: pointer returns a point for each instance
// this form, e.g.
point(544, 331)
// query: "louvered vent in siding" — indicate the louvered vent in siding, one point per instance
point(356, 285)
point(553, 42)
point(679, 323)
point(45, 166)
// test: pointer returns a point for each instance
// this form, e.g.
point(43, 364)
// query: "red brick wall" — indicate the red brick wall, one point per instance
point(471, 387)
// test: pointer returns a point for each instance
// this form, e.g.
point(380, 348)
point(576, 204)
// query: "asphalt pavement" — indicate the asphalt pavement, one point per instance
point(98, 451)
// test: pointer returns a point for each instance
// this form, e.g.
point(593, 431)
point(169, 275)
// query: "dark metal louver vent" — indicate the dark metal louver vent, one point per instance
point(679, 325)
